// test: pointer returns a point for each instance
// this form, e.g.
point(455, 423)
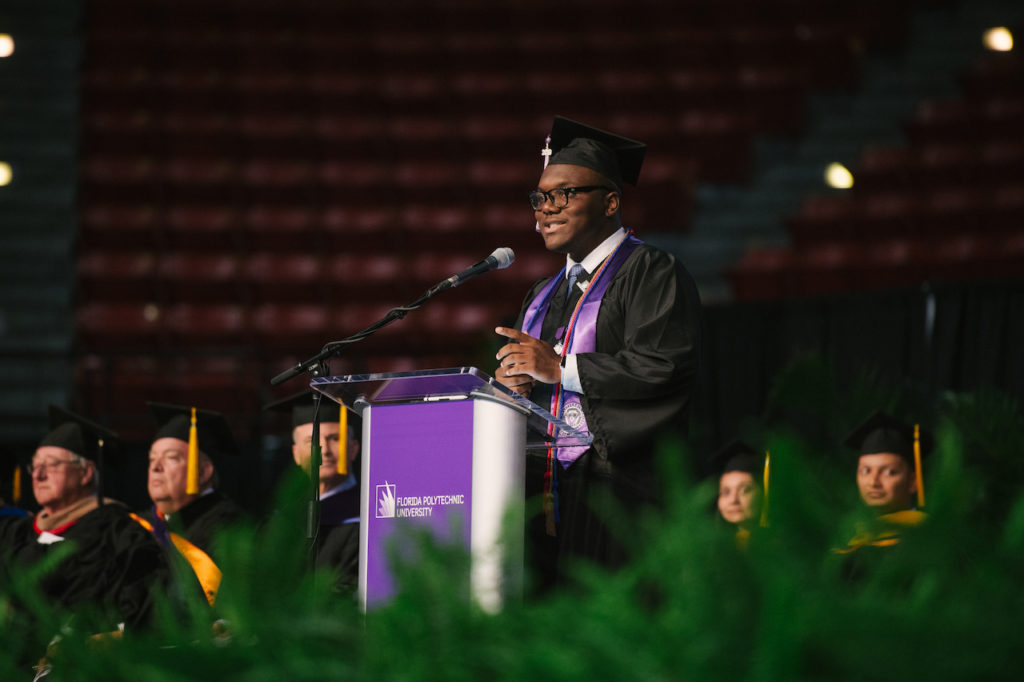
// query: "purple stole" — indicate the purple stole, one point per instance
point(160, 529)
point(580, 336)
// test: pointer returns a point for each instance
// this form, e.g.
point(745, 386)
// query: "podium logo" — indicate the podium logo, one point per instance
point(386, 501)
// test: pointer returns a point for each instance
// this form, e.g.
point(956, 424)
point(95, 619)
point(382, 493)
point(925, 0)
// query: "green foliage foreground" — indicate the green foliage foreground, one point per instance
point(944, 604)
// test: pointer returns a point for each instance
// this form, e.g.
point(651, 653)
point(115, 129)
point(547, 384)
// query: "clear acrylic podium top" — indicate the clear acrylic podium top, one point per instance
point(459, 383)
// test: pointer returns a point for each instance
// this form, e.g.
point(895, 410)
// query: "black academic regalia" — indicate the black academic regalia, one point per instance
point(871, 548)
point(116, 563)
point(200, 520)
point(338, 537)
point(636, 387)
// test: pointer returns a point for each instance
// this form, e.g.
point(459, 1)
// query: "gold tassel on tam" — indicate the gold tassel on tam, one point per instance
point(767, 478)
point(343, 442)
point(917, 466)
point(16, 485)
point(192, 479)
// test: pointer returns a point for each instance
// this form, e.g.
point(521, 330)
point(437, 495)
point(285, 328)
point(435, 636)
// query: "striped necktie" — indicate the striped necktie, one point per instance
point(574, 274)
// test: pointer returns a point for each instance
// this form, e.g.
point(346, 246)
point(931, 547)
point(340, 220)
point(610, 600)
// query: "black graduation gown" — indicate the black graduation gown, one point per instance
point(116, 564)
point(636, 387)
point(202, 518)
point(338, 537)
point(872, 547)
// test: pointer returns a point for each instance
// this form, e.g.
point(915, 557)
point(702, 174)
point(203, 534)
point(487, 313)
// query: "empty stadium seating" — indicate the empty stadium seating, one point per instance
point(272, 175)
point(947, 206)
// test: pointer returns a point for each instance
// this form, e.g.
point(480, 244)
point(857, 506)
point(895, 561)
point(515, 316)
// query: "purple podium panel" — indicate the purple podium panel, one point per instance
point(425, 481)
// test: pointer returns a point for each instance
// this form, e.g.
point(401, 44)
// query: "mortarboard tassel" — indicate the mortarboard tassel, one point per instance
point(343, 442)
point(16, 485)
point(767, 478)
point(192, 479)
point(546, 154)
point(917, 466)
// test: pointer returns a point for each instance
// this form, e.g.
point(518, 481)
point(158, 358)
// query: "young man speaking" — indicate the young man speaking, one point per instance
point(610, 344)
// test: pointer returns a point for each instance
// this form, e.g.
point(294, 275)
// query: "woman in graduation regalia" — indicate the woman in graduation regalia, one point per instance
point(740, 491)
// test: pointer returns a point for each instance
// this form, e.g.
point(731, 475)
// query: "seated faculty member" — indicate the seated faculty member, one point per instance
point(114, 564)
point(337, 538)
point(184, 485)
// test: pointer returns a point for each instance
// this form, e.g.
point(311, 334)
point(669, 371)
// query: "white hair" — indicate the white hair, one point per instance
point(83, 463)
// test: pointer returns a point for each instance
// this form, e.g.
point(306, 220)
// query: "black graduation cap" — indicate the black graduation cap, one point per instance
point(212, 432)
point(882, 432)
point(302, 408)
point(79, 435)
point(738, 456)
point(613, 156)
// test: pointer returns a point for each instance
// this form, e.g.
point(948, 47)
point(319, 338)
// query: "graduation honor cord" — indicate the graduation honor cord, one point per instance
point(578, 320)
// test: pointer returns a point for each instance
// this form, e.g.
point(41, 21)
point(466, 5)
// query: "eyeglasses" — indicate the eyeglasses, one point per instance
point(559, 197)
point(46, 466)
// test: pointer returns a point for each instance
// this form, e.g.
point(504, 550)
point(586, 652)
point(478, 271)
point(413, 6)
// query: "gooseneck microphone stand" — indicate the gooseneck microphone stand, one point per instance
point(317, 366)
point(318, 361)
point(501, 258)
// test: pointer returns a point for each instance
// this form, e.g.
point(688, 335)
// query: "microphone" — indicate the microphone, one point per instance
point(499, 260)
